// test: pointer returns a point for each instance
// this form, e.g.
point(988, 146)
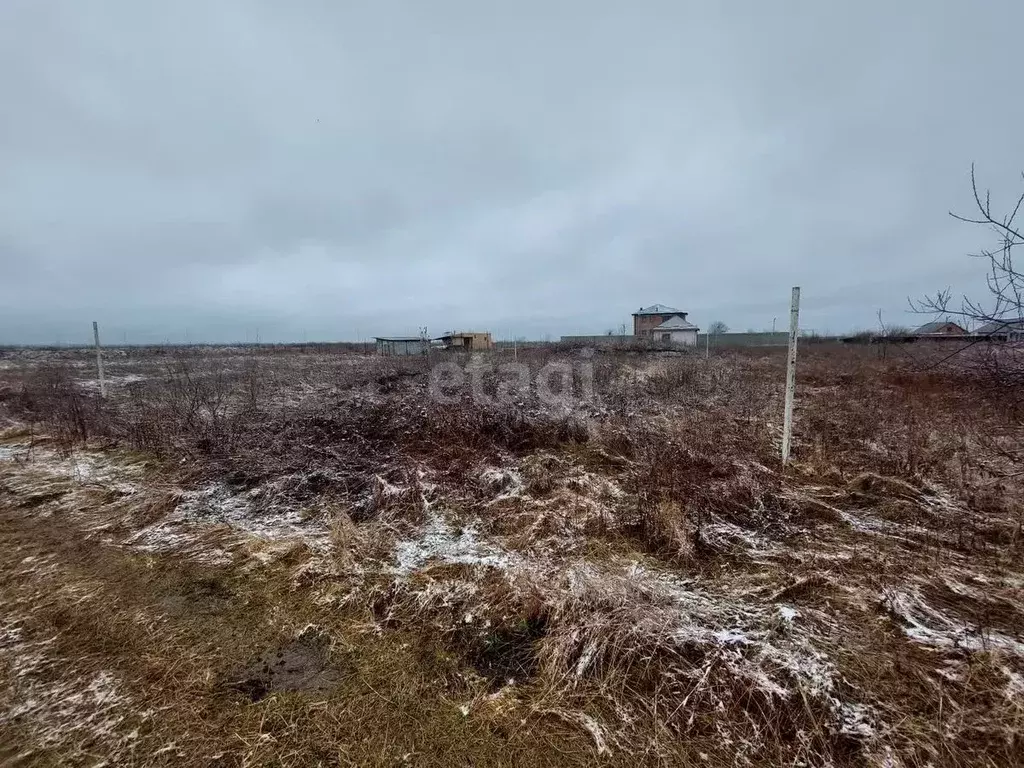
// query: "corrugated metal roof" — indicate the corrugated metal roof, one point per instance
point(1002, 326)
point(676, 323)
point(935, 327)
point(657, 309)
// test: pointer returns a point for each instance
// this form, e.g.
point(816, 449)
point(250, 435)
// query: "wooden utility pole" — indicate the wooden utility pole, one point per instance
point(794, 326)
point(99, 357)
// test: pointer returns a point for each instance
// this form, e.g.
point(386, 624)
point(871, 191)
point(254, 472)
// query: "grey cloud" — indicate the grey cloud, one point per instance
point(336, 170)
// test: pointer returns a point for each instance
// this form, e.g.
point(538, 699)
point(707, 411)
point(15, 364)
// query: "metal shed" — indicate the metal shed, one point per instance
point(400, 346)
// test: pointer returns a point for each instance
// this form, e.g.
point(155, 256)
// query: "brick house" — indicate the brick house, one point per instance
point(662, 323)
point(939, 328)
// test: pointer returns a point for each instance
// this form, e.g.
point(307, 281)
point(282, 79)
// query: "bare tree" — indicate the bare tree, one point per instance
point(1000, 366)
point(887, 333)
point(1003, 305)
point(1005, 281)
point(718, 327)
point(890, 331)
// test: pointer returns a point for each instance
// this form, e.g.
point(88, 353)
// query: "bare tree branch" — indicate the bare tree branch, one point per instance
point(1005, 227)
point(1000, 365)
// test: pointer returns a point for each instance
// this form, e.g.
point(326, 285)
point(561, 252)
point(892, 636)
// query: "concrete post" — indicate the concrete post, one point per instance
point(99, 358)
point(794, 326)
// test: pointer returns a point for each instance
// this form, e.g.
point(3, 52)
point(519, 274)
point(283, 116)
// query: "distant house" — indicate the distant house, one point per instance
point(472, 341)
point(941, 328)
point(400, 346)
point(662, 323)
point(1003, 330)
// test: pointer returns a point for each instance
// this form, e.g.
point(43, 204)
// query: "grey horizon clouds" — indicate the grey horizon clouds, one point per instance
point(328, 169)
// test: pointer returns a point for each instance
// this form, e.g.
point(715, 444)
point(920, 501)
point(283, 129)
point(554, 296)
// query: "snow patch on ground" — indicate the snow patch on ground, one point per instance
point(727, 535)
point(57, 704)
point(857, 720)
point(927, 625)
point(82, 467)
point(749, 639)
point(219, 504)
point(440, 542)
point(10, 452)
point(170, 536)
point(190, 529)
point(93, 385)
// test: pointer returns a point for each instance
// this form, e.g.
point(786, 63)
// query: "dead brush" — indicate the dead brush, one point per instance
point(346, 538)
point(949, 711)
point(392, 502)
point(477, 615)
point(609, 639)
point(49, 396)
point(606, 639)
point(468, 433)
point(681, 379)
point(541, 472)
point(646, 659)
point(683, 477)
point(598, 635)
point(663, 529)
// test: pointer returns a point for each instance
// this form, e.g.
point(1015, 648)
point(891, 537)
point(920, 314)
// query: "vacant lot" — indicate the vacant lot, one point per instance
point(301, 556)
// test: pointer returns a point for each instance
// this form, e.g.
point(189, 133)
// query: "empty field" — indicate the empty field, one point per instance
point(302, 556)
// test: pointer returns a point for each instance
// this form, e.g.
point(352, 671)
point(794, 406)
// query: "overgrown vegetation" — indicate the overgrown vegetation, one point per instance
point(630, 577)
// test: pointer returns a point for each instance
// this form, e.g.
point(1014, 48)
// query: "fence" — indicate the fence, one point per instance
point(719, 340)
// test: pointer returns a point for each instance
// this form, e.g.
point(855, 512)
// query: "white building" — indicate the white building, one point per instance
point(677, 330)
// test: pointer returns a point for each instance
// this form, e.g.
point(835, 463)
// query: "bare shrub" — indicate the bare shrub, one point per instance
point(49, 396)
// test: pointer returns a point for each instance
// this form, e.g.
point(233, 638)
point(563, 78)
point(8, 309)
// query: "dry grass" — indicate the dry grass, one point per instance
point(632, 580)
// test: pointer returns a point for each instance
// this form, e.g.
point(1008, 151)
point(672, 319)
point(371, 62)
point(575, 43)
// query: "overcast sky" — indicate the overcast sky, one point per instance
point(327, 169)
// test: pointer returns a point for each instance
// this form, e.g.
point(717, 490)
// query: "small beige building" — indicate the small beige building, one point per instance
point(470, 341)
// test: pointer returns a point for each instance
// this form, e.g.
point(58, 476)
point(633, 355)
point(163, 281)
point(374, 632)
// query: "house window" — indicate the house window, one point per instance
point(666, 337)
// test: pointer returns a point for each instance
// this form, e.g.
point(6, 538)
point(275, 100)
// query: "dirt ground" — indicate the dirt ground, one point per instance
point(299, 556)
